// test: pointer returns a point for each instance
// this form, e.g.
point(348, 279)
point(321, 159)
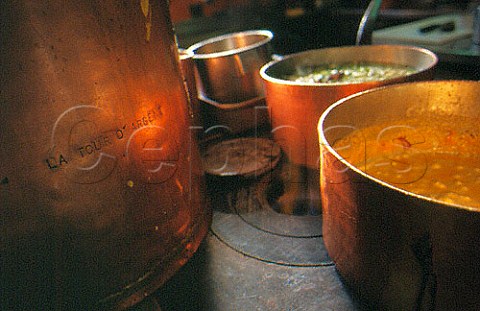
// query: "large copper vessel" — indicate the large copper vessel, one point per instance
point(101, 193)
point(396, 249)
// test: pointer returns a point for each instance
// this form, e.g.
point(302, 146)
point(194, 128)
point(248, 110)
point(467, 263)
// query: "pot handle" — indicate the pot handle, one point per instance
point(365, 29)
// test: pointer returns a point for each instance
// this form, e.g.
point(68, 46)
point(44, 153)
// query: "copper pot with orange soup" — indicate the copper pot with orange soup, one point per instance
point(101, 188)
point(400, 185)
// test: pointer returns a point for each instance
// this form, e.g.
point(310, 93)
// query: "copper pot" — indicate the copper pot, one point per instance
point(295, 107)
point(101, 189)
point(396, 249)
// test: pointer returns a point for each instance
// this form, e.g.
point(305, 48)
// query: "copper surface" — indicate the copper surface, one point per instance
point(398, 250)
point(101, 187)
point(188, 70)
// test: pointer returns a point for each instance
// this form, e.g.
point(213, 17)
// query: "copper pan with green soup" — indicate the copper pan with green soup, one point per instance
point(299, 87)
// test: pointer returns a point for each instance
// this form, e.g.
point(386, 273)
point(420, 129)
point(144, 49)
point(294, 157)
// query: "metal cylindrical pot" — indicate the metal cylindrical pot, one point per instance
point(228, 65)
point(101, 190)
point(295, 107)
point(398, 250)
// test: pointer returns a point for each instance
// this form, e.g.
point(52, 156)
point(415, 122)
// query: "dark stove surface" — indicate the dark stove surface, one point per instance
point(220, 278)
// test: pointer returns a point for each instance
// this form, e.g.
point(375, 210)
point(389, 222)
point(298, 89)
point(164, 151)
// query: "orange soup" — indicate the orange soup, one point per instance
point(436, 158)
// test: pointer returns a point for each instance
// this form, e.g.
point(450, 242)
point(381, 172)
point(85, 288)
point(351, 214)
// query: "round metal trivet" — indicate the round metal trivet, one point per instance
point(246, 157)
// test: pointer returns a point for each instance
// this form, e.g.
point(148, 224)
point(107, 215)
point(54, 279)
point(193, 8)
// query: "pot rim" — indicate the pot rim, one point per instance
point(324, 142)
point(267, 34)
point(265, 68)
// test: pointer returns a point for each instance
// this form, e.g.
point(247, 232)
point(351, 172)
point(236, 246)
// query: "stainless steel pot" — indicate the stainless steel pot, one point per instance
point(295, 107)
point(395, 249)
point(228, 65)
point(101, 190)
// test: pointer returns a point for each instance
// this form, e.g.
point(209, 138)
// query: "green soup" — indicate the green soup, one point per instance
point(349, 73)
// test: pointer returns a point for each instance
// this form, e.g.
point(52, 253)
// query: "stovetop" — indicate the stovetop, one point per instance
point(255, 258)
point(220, 278)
